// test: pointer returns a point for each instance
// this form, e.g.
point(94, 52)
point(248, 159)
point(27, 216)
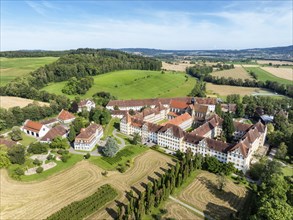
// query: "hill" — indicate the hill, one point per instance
point(129, 84)
point(11, 68)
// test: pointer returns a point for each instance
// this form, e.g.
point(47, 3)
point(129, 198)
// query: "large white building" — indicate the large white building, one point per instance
point(88, 137)
point(202, 140)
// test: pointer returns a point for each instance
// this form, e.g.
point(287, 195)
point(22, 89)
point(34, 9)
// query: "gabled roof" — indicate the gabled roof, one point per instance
point(7, 143)
point(173, 114)
point(152, 127)
point(243, 146)
point(179, 120)
point(217, 145)
point(176, 130)
point(84, 102)
point(49, 121)
point(178, 104)
point(32, 126)
point(192, 138)
point(206, 101)
point(200, 108)
point(86, 133)
point(241, 126)
point(65, 115)
point(213, 122)
point(59, 130)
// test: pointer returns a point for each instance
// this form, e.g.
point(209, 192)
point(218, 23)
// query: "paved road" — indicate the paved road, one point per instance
point(191, 208)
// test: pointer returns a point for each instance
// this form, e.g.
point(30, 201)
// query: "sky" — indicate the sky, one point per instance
point(188, 25)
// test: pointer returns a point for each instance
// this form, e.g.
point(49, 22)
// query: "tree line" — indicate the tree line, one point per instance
point(79, 63)
point(203, 73)
point(159, 189)
point(80, 209)
point(16, 115)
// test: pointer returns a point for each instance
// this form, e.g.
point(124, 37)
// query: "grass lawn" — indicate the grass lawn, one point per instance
point(264, 75)
point(26, 139)
point(138, 84)
point(108, 130)
point(288, 171)
point(131, 151)
point(11, 68)
point(60, 166)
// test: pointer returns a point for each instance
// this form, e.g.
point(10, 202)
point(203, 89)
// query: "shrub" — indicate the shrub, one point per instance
point(37, 162)
point(37, 148)
point(121, 168)
point(18, 171)
point(60, 152)
point(65, 157)
point(39, 169)
point(87, 156)
point(50, 157)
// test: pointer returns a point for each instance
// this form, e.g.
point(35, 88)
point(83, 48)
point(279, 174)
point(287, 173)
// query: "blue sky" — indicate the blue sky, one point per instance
point(58, 25)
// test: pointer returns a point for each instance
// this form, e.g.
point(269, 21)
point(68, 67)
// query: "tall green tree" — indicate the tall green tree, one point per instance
point(16, 154)
point(110, 148)
point(15, 134)
point(71, 134)
point(228, 127)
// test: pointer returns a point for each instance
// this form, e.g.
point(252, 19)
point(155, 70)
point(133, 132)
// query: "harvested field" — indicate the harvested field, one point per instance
point(204, 195)
point(285, 73)
point(274, 62)
point(181, 67)
point(10, 101)
point(236, 73)
point(224, 90)
point(179, 212)
point(38, 200)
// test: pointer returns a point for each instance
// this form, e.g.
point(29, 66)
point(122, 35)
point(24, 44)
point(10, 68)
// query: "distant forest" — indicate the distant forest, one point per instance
point(78, 63)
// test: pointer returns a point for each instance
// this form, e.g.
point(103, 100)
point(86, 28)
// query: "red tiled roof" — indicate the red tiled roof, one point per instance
point(179, 120)
point(86, 133)
point(152, 127)
point(206, 101)
point(54, 132)
point(7, 143)
point(173, 114)
point(200, 108)
point(65, 115)
point(32, 126)
point(178, 104)
point(243, 145)
point(213, 122)
point(49, 121)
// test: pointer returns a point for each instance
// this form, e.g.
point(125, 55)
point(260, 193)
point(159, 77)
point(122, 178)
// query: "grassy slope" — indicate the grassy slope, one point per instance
point(11, 68)
point(129, 84)
point(136, 150)
point(264, 75)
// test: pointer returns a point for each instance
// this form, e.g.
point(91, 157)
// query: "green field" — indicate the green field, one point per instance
point(138, 84)
point(11, 68)
point(264, 75)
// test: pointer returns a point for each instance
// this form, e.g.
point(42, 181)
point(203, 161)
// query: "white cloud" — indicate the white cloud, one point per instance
point(167, 30)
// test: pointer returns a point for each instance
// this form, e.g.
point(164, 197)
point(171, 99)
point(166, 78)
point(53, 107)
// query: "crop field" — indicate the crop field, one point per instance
point(236, 73)
point(264, 75)
point(11, 68)
point(284, 73)
point(11, 101)
point(224, 90)
point(179, 212)
point(181, 67)
point(274, 62)
point(38, 200)
point(139, 84)
point(204, 195)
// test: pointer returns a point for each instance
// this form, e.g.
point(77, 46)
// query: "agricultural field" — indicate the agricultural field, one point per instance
point(11, 68)
point(224, 90)
point(11, 101)
point(263, 75)
point(284, 73)
point(236, 73)
point(274, 62)
point(38, 200)
point(139, 84)
point(178, 66)
point(203, 194)
point(179, 212)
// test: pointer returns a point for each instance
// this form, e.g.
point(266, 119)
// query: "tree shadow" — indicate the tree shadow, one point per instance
point(143, 184)
point(229, 196)
point(112, 213)
point(216, 211)
point(151, 179)
point(158, 174)
point(163, 169)
point(137, 191)
point(117, 125)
